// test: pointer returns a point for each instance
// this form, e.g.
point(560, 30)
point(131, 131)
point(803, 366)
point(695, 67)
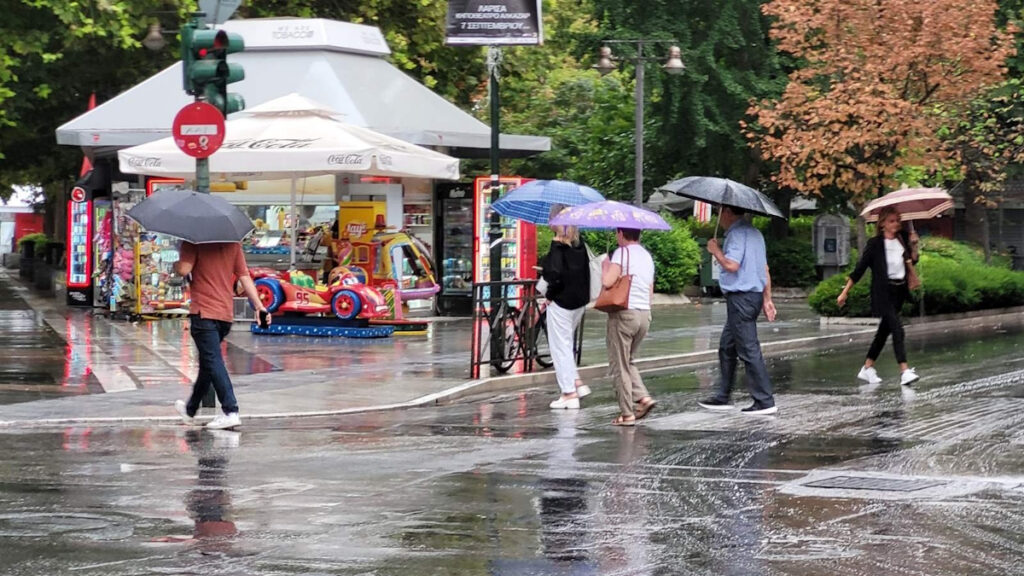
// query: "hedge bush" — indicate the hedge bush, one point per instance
point(955, 279)
point(38, 238)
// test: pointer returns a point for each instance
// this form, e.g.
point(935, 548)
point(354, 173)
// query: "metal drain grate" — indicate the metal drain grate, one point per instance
point(870, 483)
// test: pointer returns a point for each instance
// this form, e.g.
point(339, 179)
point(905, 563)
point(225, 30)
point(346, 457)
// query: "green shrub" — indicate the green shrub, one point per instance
point(954, 279)
point(792, 262)
point(38, 238)
point(676, 256)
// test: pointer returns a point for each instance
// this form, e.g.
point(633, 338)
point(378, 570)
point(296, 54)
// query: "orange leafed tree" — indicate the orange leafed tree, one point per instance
point(872, 75)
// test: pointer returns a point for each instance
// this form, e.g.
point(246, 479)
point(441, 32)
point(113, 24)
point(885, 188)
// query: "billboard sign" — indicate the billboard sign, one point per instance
point(493, 22)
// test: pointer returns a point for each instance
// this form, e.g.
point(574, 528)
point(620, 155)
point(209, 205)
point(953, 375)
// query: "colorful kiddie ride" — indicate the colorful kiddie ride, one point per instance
point(343, 306)
point(345, 295)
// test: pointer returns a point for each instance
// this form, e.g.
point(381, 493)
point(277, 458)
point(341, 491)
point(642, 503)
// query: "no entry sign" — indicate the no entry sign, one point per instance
point(198, 129)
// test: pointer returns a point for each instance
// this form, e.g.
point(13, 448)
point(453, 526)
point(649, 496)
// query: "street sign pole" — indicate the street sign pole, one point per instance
point(203, 175)
point(494, 234)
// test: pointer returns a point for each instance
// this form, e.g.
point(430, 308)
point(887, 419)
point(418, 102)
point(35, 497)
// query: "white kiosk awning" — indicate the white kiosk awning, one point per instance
point(339, 64)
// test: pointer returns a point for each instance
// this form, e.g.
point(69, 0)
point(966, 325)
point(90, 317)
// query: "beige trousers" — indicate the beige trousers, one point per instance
point(626, 329)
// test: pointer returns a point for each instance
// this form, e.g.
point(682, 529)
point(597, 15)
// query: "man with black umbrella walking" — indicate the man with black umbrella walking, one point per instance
point(746, 283)
point(214, 268)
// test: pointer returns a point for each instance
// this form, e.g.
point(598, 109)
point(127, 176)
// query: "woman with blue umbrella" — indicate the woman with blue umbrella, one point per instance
point(566, 269)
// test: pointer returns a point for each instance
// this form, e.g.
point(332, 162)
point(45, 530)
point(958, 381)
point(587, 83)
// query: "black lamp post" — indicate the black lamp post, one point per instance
point(607, 63)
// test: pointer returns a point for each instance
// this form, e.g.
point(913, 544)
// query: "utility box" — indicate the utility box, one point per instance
point(710, 269)
point(831, 237)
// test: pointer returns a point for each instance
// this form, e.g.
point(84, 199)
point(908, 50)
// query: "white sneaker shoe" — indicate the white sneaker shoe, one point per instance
point(180, 406)
point(565, 404)
point(224, 421)
point(908, 377)
point(583, 390)
point(869, 375)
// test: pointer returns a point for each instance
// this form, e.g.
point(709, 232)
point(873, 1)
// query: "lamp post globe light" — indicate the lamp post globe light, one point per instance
point(607, 63)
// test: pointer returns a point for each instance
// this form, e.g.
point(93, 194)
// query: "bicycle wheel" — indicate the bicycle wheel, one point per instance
point(541, 348)
point(505, 342)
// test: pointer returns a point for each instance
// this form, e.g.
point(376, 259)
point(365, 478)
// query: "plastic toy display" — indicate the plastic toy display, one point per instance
point(345, 295)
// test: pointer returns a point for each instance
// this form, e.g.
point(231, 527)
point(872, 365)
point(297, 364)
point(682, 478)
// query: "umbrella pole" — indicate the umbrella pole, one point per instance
point(294, 224)
point(717, 222)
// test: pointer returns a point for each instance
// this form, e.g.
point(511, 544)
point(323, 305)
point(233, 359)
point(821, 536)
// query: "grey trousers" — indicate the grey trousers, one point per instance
point(626, 329)
point(739, 342)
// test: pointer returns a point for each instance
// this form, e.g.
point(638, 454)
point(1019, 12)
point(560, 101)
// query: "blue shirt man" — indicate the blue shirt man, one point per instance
point(747, 286)
point(744, 244)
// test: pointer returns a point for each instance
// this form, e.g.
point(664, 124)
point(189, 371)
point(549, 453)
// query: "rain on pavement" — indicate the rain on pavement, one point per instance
point(506, 486)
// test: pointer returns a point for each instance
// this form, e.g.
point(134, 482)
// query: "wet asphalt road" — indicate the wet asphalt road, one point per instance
point(508, 487)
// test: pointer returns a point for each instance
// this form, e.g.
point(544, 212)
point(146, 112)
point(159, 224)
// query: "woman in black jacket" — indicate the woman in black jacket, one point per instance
point(887, 255)
point(567, 271)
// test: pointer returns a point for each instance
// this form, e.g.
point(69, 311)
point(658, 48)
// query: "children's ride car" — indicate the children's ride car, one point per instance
point(346, 296)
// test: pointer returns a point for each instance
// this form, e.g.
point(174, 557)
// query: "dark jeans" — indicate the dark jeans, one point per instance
point(208, 334)
point(739, 341)
point(891, 324)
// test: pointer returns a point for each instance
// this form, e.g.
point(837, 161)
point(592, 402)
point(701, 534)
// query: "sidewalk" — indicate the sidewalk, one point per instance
point(144, 367)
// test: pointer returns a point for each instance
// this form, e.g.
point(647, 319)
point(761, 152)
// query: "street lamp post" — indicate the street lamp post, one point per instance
point(607, 63)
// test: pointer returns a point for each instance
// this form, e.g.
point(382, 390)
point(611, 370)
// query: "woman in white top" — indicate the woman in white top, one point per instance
point(887, 255)
point(627, 328)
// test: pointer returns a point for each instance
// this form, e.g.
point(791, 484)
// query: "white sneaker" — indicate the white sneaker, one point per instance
point(565, 404)
point(869, 375)
point(583, 390)
point(180, 406)
point(224, 421)
point(909, 376)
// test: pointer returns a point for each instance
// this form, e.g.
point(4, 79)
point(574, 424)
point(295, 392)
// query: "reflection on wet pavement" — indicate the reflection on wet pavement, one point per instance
point(509, 487)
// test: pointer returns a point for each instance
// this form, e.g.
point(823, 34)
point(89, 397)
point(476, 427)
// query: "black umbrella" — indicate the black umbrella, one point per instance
point(191, 216)
point(722, 191)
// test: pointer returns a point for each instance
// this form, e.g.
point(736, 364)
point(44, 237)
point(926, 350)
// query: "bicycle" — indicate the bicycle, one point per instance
point(527, 324)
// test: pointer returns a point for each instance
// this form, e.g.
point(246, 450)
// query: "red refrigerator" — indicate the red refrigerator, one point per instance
point(519, 248)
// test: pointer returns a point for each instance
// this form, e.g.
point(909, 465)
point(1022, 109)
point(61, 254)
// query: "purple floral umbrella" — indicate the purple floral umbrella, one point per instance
point(610, 214)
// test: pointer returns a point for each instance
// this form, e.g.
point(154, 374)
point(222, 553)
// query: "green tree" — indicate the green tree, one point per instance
point(54, 55)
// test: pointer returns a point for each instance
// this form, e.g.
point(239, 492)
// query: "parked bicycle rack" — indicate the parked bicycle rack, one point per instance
point(511, 329)
point(505, 325)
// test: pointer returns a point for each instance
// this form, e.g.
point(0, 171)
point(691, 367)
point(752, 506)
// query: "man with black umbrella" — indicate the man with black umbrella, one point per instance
point(214, 268)
point(747, 286)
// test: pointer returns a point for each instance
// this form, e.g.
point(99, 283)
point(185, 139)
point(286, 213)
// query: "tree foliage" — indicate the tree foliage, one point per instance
point(872, 76)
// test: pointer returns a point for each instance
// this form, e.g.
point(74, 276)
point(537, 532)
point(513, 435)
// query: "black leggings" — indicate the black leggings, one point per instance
point(891, 324)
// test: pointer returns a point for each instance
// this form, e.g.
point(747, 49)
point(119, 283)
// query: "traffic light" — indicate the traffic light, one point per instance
point(207, 72)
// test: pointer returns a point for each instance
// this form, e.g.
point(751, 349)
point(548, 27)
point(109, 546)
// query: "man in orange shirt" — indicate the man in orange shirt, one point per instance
point(214, 268)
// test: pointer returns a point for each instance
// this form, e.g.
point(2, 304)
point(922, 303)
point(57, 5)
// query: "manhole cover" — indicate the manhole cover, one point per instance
point(869, 483)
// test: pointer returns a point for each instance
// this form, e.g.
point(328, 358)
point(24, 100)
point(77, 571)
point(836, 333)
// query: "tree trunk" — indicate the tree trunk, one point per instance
point(780, 226)
point(976, 220)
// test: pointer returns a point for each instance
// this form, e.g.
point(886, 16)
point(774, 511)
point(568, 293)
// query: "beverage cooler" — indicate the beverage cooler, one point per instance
point(453, 247)
point(463, 246)
point(88, 235)
point(81, 224)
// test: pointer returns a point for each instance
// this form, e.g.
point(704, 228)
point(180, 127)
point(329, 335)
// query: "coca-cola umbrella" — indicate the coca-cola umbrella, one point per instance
point(289, 138)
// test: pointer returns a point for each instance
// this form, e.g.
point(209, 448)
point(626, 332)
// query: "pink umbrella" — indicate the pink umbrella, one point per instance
point(913, 203)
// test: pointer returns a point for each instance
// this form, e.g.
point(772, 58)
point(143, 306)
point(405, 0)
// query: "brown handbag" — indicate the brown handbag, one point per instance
point(913, 280)
point(616, 297)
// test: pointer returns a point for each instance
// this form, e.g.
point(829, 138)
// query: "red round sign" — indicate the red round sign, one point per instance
point(78, 194)
point(198, 129)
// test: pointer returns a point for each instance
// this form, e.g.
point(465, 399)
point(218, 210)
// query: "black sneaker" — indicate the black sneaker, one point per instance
point(715, 404)
point(756, 410)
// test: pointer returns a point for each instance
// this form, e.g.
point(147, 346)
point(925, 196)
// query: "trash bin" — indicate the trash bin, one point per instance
point(709, 269)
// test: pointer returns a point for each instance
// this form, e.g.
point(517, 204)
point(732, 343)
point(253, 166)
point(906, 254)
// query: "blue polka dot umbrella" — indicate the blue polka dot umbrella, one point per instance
point(532, 201)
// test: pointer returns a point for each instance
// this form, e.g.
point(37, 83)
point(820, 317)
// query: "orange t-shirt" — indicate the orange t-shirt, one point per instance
point(214, 269)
